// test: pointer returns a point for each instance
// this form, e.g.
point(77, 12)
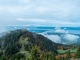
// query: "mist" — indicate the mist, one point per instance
point(64, 37)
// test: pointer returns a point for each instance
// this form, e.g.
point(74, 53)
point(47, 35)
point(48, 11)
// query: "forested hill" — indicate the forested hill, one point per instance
point(19, 43)
point(22, 40)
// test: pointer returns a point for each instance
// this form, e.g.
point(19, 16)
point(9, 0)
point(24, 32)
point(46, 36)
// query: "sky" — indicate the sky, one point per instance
point(40, 12)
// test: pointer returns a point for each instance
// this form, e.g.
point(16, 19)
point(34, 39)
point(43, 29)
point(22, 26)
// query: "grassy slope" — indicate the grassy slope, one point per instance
point(22, 50)
point(64, 51)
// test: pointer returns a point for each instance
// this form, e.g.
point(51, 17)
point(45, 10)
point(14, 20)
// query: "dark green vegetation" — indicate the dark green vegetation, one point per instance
point(24, 45)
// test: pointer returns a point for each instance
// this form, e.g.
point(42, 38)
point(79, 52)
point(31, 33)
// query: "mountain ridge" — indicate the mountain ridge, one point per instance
point(22, 40)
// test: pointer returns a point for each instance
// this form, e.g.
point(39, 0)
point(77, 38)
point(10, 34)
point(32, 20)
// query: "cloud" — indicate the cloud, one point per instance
point(71, 37)
point(59, 30)
point(42, 12)
point(31, 20)
point(54, 38)
point(63, 36)
point(66, 35)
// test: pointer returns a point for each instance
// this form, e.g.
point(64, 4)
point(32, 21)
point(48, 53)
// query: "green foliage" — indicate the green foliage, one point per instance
point(1, 53)
point(43, 42)
point(46, 43)
point(11, 50)
point(35, 53)
point(51, 56)
point(27, 47)
point(3, 57)
point(78, 53)
point(68, 54)
point(12, 37)
point(18, 56)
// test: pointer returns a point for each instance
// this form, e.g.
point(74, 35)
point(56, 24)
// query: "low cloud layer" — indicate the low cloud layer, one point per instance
point(54, 38)
point(65, 37)
point(59, 30)
point(71, 38)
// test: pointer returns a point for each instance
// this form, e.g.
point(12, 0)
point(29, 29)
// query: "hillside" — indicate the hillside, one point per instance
point(22, 40)
point(19, 43)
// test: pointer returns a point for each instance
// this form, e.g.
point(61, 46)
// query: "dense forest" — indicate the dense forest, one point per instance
point(24, 45)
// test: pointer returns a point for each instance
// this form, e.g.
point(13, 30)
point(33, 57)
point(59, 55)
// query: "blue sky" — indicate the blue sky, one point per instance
point(40, 12)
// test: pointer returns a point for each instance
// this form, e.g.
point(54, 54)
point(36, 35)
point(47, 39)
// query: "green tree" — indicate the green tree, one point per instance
point(51, 56)
point(78, 53)
point(3, 57)
point(68, 54)
point(35, 53)
point(1, 53)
